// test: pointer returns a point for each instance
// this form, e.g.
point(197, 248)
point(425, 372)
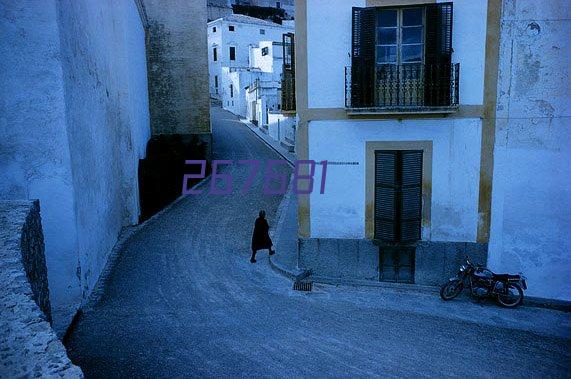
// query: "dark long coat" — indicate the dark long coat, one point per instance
point(261, 238)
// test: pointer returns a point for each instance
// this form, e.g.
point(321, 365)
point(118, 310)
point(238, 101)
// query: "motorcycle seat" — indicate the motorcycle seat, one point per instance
point(503, 277)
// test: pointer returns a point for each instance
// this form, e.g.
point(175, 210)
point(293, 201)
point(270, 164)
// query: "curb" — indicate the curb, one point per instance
point(252, 127)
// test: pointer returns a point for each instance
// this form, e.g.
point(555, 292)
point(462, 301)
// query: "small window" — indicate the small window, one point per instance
point(232, 53)
point(265, 51)
point(262, 31)
point(215, 54)
point(231, 90)
point(216, 81)
point(278, 4)
point(231, 28)
point(214, 29)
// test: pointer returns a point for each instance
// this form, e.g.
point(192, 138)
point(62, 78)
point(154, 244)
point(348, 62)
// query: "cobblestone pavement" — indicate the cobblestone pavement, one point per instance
point(183, 301)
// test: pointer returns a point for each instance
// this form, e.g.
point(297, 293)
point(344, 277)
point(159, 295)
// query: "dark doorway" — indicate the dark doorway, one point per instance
point(396, 264)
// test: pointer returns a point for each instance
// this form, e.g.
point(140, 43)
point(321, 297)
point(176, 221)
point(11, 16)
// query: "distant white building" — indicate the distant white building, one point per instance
point(230, 40)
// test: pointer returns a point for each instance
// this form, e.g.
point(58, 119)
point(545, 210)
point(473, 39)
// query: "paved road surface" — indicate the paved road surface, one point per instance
point(183, 301)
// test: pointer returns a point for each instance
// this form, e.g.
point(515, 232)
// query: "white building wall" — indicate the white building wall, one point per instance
point(340, 211)
point(531, 193)
point(74, 122)
point(329, 49)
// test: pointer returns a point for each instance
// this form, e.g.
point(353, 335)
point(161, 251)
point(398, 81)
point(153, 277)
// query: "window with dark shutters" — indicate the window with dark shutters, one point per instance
point(398, 195)
point(438, 56)
point(363, 57)
point(391, 68)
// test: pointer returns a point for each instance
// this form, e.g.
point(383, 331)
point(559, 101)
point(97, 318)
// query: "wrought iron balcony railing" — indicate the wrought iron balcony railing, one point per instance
point(288, 91)
point(402, 88)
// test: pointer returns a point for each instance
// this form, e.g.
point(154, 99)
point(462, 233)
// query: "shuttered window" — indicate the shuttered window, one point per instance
point(398, 195)
point(378, 39)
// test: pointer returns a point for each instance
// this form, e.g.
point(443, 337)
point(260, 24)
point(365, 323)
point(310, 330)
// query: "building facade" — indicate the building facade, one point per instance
point(404, 106)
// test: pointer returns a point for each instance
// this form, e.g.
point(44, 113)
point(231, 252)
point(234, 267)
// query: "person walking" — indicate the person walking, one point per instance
point(261, 237)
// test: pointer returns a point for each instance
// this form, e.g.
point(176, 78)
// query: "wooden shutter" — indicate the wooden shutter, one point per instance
point(398, 195)
point(411, 196)
point(386, 187)
point(438, 55)
point(363, 57)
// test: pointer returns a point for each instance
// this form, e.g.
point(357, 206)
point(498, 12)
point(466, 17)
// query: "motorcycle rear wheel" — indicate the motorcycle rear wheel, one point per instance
point(451, 289)
point(511, 299)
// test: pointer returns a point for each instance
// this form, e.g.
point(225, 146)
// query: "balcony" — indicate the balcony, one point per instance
point(402, 89)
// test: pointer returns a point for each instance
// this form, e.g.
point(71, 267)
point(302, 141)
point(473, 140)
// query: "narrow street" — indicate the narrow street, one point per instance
point(184, 301)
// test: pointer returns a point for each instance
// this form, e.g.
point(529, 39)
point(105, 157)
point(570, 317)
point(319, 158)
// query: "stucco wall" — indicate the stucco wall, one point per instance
point(531, 195)
point(74, 122)
point(178, 66)
point(108, 121)
point(340, 211)
point(329, 48)
point(28, 345)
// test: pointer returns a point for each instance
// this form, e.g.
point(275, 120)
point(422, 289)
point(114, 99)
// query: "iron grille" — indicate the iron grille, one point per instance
point(403, 87)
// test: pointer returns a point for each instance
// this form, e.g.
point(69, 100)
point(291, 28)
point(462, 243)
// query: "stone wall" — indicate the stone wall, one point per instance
point(28, 345)
point(358, 259)
point(178, 67)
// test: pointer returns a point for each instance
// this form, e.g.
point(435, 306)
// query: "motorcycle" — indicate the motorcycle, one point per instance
point(505, 288)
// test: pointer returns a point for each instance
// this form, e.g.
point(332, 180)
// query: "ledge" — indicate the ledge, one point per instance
point(395, 111)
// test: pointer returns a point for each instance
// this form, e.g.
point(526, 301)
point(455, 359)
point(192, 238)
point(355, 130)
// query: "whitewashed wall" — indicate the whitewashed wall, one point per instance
point(272, 62)
point(74, 122)
point(340, 211)
point(329, 49)
point(531, 198)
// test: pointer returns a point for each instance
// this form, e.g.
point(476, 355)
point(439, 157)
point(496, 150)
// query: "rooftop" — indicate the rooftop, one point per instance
point(240, 18)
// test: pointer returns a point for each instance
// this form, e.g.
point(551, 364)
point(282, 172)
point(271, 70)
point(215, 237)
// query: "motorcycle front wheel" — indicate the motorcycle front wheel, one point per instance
point(513, 296)
point(451, 289)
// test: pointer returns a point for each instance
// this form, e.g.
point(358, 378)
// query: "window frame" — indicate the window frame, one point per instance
point(232, 53)
point(399, 34)
point(214, 29)
point(215, 54)
point(231, 28)
point(263, 31)
point(265, 51)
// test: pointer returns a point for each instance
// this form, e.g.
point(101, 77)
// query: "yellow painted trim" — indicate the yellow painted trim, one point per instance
point(489, 121)
point(370, 148)
point(320, 114)
point(301, 93)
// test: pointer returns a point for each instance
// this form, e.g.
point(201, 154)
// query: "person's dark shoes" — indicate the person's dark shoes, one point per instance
point(252, 260)
point(272, 252)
